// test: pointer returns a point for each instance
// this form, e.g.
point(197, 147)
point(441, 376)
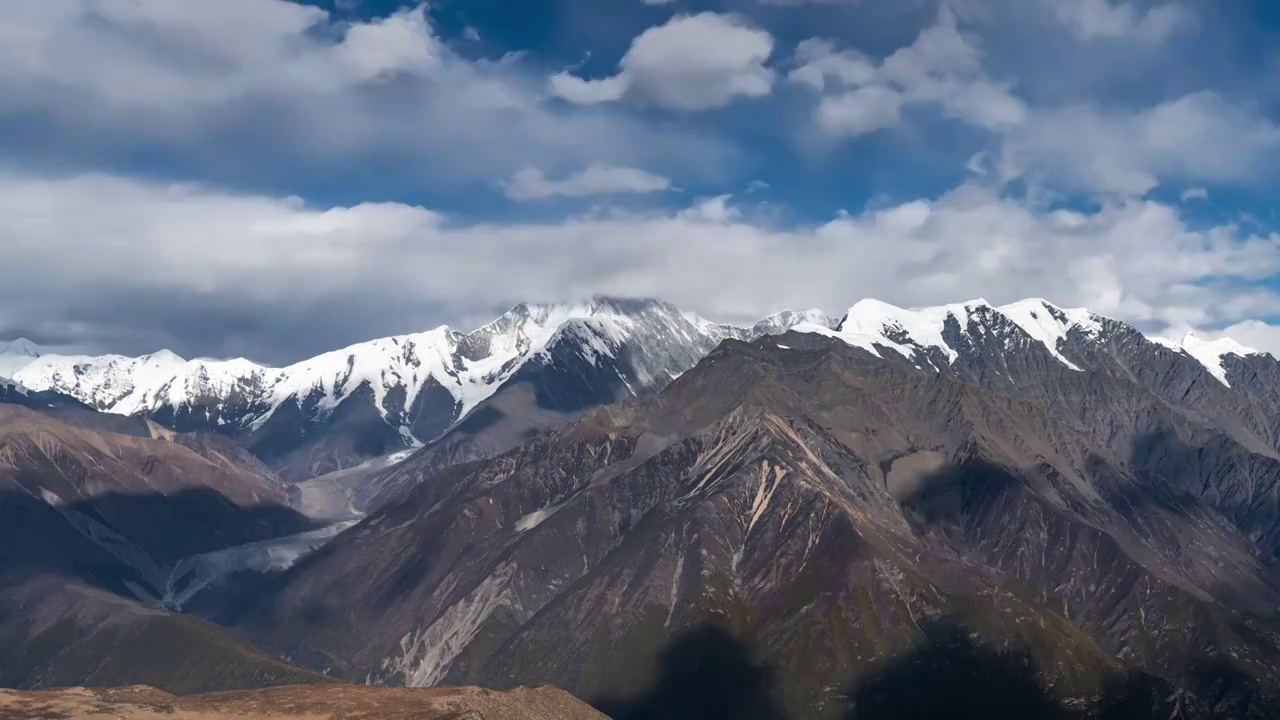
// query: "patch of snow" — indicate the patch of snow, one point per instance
point(533, 519)
point(399, 457)
point(872, 323)
point(1048, 324)
point(536, 518)
point(1210, 353)
point(268, 556)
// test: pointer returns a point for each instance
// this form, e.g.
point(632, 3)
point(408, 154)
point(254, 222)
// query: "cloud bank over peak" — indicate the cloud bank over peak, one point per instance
point(226, 271)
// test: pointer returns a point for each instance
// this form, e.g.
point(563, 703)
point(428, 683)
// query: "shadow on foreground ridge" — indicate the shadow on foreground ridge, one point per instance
point(707, 674)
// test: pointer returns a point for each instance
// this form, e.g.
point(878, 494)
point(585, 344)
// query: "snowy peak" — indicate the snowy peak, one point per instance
point(163, 358)
point(394, 371)
point(1210, 353)
point(530, 327)
point(1049, 324)
point(403, 361)
point(930, 335)
point(133, 385)
point(598, 327)
point(22, 347)
point(781, 322)
point(872, 323)
point(16, 355)
point(661, 341)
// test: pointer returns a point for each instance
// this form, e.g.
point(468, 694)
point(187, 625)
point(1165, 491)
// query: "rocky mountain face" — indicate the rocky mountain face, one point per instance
point(339, 409)
point(1026, 503)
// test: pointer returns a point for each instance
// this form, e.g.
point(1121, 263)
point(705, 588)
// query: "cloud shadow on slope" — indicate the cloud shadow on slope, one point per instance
point(956, 490)
point(949, 675)
point(37, 538)
point(707, 674)
point(1154, 490)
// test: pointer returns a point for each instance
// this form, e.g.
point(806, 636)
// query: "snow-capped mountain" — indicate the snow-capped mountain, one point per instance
point(1036, 480)
point(924, 334)
point(342, 407)
point(779, 323)
point(16, 355)
point(387, 393)
point(1021, 349)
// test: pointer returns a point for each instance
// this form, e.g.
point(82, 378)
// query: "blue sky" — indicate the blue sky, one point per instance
point(272, 179)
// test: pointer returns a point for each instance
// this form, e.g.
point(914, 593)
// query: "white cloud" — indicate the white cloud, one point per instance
point(597, 179)
point(271, 84)
point(574, 89)
point(1197, 193)
point(379, 50)
point(941, 68)
point(263, 265)
point(860, 111)
point(1196, 138)
point(690, 63)
point(1255, 334)
point(821, 63)
point(1094, 19)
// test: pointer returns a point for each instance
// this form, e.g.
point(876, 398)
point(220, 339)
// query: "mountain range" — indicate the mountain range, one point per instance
point(343, 407)
point(339, 409)
point(1033, 511)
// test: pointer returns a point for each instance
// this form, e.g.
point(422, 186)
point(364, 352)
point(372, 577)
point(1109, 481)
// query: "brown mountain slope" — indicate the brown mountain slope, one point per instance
point(59, 632)
point(346, 702)
point(830, 510)
point(92, 524)
point(120, 510)
point(112, 462)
